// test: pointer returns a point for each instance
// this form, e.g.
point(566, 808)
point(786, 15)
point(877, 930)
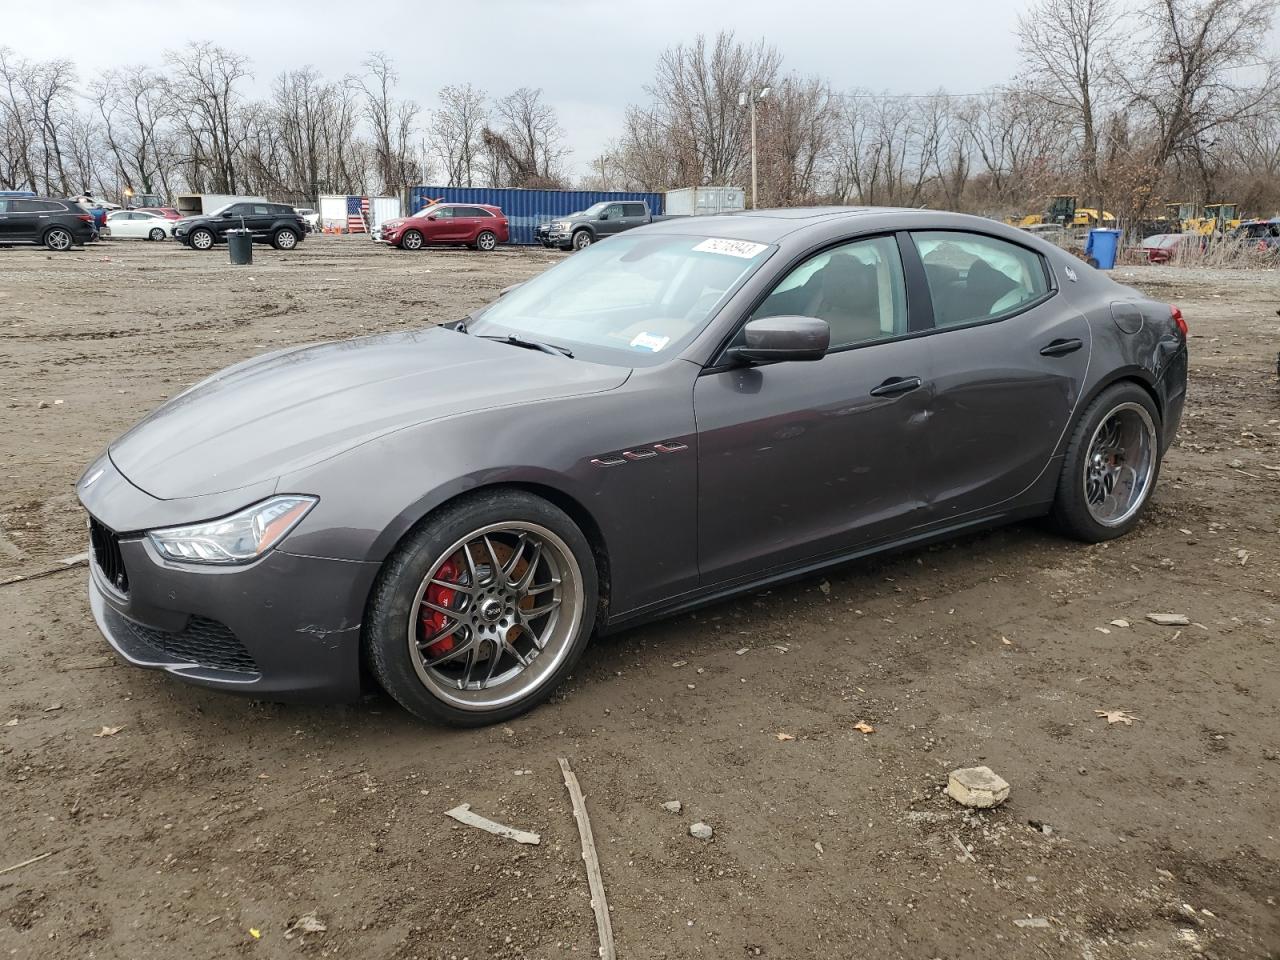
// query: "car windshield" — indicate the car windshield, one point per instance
point(634, 299)
point(595, 209)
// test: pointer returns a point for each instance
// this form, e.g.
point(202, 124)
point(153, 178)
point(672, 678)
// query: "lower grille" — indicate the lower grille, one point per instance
point(205, 642)
point(105, 545)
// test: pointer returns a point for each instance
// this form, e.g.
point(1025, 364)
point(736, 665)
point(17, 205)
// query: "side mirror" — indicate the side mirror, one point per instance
point(432, 216)
point(771, 339)
point(604, 215)
point(227, 214)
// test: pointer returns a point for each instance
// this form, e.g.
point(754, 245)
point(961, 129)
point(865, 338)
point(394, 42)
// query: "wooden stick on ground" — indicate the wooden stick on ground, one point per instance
point(27, 863)
point(594, 878)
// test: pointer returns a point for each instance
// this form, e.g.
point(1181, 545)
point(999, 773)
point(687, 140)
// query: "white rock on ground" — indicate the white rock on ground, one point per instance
point(700, 830)
point(977, 787)
point(673, 806)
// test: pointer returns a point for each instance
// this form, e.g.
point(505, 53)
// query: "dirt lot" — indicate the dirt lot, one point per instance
point(207, 818)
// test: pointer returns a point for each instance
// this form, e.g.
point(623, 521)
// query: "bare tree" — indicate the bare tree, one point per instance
point(525, 145)
point(204, 84)
point(392, 121)
point(1205, 72)
point(797, 136)
point(135, 108)
point(457, 124)
point(1066, 46)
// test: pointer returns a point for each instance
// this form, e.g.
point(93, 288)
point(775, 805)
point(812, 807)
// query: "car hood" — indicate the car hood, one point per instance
point(293, 408)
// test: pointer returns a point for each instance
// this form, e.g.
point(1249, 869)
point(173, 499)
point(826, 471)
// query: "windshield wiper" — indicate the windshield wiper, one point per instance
point(551, 348)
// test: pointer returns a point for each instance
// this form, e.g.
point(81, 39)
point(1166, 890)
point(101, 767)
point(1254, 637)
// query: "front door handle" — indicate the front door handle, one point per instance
point(897, 385)
point(1060, 348)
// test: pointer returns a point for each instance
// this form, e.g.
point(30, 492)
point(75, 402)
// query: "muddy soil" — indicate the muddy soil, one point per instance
point(207, 824)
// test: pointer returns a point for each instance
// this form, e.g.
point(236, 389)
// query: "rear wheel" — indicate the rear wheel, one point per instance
point(1111, 465)
point(483, 610)
point(412, 240)
point(284, 239)
point(59, 238)
point(487, 240)
point(202, 239)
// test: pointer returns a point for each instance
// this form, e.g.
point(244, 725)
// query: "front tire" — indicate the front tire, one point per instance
point(582, 239)
point(483, 610)
point(201, 239)
point(486, 240)
point(155, 234)
point(58, 239)
point(284, 239)
point(1111, 465)
point(412, 240)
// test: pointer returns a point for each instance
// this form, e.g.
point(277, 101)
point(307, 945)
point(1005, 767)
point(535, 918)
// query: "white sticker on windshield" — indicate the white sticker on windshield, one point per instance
point(649, 341)
point(733, 248)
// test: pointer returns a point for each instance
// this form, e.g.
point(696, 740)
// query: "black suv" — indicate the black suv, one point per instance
point(274, 223)
point(58, 224)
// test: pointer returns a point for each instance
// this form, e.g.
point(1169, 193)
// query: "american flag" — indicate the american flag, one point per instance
point(357, 214)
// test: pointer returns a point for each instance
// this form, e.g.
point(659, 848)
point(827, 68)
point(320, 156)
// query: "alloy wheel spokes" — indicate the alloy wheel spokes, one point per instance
point(1120, 464)
point(492, 608)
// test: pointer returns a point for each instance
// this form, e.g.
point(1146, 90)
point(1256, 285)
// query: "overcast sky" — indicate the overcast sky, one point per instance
point(591, 57)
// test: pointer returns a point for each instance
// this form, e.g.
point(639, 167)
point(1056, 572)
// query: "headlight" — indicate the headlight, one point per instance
point(238, 538)
point(561, 226)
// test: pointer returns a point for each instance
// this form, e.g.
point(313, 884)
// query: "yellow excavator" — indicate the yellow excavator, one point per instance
point(1062, 209)
point(1219, 218)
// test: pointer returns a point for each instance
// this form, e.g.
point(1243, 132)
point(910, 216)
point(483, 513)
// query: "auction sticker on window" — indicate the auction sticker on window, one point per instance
point(649, 341)
point(732, 248)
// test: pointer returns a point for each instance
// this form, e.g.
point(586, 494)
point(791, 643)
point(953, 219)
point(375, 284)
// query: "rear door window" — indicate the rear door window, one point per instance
point(974, 278)
point(634, 209)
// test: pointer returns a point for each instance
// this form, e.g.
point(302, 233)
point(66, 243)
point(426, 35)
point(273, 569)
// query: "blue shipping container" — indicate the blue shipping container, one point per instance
point(526, 209)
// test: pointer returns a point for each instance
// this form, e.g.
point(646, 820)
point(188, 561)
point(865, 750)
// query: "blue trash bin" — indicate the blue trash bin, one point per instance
point(1102, 247)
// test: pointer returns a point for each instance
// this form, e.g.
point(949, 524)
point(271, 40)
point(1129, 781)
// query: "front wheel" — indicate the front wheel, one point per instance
point(284, 239)
point(487, 240)
point(202, 239)
point(582, 239)
point(155, 234)
point(412, 240)
point(483, 610)
point(58, 239)
point(1111, 465)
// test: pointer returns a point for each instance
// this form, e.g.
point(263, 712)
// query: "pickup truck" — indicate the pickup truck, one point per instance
point(579, 230)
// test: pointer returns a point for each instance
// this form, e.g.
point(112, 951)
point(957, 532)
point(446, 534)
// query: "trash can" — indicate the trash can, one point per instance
point(1101, 248)
point(240, 243)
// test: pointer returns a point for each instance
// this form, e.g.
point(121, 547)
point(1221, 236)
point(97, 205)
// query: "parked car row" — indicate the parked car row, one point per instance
point(58, 224)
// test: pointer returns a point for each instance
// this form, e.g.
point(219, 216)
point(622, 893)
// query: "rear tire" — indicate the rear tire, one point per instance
point(1111, 465)
point(284, 239)
point(443, 680)
point(486, 240)
point(59, 239)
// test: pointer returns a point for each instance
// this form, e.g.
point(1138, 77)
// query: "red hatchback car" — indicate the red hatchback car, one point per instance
point(472, 225)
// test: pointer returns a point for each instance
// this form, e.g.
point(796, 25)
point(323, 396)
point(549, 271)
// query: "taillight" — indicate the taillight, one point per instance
point(1177, 318)
point(86, 217)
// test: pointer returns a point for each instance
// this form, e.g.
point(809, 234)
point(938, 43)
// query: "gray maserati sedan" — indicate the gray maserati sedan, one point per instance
point(681, 413)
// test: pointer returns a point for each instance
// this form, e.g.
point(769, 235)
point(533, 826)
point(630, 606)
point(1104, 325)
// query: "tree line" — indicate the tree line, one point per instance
point(188, 124)
point(1124, 106)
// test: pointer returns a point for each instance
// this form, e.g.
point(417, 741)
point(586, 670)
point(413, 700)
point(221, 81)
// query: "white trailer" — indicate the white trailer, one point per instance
point(197, 204)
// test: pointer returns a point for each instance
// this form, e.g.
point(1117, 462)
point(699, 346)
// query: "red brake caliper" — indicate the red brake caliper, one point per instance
point(433, 621)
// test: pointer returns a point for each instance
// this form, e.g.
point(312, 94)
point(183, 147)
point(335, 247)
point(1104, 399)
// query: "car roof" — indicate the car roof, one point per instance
point(771, 226)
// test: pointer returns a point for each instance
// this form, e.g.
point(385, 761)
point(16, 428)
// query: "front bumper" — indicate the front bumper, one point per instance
point(284, 626)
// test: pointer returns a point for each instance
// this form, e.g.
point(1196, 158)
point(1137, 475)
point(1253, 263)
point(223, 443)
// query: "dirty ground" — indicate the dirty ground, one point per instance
point(207, 826)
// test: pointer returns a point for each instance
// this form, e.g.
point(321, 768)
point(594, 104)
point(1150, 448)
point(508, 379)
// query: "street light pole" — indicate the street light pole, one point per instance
point(752, 97)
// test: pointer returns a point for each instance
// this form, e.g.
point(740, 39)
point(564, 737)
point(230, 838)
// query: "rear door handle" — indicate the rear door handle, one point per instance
point(1060, 348)
point(897, 385)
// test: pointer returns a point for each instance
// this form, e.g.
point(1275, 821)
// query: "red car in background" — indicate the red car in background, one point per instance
point(457, 224)
point(169, 213)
